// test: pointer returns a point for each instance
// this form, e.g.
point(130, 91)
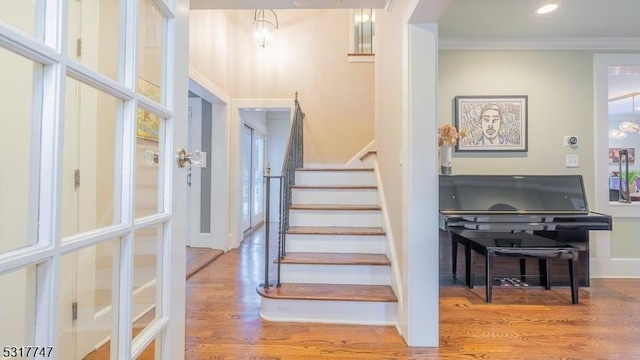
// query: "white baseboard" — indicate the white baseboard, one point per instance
point(614, 268)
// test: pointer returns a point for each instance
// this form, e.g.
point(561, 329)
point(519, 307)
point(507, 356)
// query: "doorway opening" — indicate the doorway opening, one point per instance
point(264, 136)
point(206, 200)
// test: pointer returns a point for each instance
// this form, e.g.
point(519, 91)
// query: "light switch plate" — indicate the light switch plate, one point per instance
point(572, 161)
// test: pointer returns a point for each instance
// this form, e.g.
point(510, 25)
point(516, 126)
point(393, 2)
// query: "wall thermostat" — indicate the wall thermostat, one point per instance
point(571, 140)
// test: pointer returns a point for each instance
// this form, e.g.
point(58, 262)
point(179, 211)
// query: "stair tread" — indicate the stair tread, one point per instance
point(334, 169)
point(336, 187)
point(334, 207)
point(332, 292)
point(335, 230)
point(318, 258)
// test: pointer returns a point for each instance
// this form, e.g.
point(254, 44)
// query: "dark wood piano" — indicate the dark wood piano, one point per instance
point(551, 206)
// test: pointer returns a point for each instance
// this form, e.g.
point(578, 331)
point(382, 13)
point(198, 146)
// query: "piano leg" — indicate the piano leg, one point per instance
point(454, 255)
point(573, 275)
point(455, 240)
point(523, 269)
point(470, 265)
point(545, 273)
point(488, 254)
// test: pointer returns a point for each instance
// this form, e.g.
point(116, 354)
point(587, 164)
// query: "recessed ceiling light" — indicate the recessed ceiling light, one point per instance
point(547, 9)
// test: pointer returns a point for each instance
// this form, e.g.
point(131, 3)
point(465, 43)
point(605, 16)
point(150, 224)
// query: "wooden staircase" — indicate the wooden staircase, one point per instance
point(336, 269)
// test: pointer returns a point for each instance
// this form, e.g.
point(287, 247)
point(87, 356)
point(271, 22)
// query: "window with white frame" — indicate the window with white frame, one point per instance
point(361, 34)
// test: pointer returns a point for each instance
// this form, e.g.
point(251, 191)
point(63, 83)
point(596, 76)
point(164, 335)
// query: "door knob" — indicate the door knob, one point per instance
point(197, 158)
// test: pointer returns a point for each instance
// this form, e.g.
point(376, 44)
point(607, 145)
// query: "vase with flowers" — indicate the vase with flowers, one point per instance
point(448, 137)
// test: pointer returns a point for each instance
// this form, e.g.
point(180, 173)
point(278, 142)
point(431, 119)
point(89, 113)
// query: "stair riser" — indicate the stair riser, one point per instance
point(359, 178)
point(366, 244)
point(344, 218)
point(336, 274)
point(335, 196)
point(331, 312)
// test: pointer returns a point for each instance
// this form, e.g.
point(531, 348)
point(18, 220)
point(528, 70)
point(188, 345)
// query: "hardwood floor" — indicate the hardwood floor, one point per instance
point(223, 321)
point(197, 258)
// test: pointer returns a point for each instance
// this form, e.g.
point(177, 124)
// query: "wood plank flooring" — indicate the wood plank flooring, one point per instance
point(197, 258)
point(223, 321)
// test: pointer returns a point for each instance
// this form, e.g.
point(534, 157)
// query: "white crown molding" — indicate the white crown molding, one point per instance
point(388, 6)
point(539, 44)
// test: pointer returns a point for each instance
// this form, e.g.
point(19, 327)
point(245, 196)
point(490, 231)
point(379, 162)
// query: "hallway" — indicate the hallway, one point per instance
point(223, 321)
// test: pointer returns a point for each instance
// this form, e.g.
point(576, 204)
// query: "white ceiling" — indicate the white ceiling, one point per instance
point(517, 18)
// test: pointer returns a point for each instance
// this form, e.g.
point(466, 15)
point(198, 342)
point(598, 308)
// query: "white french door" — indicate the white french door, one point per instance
point(253, 165)
point(91, 196)
point(257, 191)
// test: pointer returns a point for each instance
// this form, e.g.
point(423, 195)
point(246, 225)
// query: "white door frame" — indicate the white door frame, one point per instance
point(219, 157)
point(235, 161)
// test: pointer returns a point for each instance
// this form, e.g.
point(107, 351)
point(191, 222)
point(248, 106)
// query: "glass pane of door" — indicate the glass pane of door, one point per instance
point(21, 15)
point(147, 167)
point(257, 152)
point(147, 282)
point(90, 153)
point(88, 278)
point(150, 46)
point(18, 310)
point(246, 177)
point(94, 31)
point(152, 351)
point(17, 177)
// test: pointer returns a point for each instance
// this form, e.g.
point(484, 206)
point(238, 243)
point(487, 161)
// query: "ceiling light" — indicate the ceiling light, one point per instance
point(547, 9)
point(265, 22)
point(628, 126)
point(617, 134)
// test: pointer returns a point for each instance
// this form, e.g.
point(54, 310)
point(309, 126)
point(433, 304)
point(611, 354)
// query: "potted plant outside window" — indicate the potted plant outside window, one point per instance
point(634, 175)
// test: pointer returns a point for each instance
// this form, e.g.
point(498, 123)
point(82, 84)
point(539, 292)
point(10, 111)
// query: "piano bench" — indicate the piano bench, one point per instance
point(520, 245)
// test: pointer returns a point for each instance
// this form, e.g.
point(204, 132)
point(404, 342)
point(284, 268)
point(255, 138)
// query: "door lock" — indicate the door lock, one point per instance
point(197, 158)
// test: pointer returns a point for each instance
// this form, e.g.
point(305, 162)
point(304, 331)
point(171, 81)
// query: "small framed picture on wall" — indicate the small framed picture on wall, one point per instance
point(493, 123)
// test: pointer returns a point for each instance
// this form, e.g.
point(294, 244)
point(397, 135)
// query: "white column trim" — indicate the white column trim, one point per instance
point(420, 183)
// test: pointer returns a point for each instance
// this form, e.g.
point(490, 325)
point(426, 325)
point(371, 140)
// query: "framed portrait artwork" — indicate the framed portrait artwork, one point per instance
point(492, 123)
point(148, 124)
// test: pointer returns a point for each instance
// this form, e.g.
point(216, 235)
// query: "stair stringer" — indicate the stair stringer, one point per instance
point(392, 254)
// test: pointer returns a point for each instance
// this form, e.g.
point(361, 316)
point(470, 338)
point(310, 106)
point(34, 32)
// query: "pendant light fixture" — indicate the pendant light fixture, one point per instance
point(265, 22)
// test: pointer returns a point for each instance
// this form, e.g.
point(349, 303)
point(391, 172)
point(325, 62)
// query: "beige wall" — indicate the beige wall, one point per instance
point(559, 86)
point(308, 55)
point(624, 239)
point(211, 45)
point(389, 112)
point(560, 89)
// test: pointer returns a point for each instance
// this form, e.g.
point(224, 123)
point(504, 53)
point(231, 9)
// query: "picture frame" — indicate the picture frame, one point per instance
point(148, 124)
point(614, 155)
point(496, 123)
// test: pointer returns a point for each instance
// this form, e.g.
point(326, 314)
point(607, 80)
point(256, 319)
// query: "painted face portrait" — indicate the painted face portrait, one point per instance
point(491, 121)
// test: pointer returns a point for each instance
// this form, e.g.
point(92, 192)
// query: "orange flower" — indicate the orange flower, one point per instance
point(448, 135)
